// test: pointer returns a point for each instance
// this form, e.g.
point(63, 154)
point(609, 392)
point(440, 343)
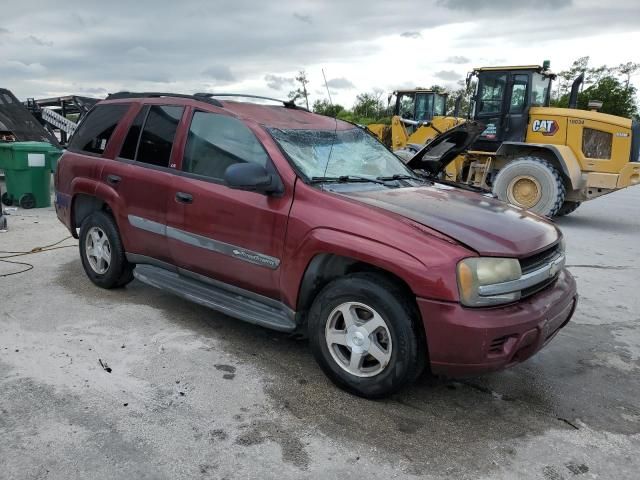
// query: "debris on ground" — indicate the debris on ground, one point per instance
point(105, 366)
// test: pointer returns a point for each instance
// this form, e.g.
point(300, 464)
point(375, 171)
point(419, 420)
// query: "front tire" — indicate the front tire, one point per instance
point(102, 252)
point(365, 336)
point(567, 208)
point(531, 183)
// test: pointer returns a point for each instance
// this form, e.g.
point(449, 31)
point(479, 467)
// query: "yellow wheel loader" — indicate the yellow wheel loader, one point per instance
point(544, 159)
point(419, 116)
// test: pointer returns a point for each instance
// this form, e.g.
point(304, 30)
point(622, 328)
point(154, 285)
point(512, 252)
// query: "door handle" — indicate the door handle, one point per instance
point(113, 179)
point(183, 197)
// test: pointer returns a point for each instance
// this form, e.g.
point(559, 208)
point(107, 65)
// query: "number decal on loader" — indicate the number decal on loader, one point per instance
point(545, 127)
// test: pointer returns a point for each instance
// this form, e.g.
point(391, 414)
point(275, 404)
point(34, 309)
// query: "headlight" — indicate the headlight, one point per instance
point(478, 271)
point(562, 245)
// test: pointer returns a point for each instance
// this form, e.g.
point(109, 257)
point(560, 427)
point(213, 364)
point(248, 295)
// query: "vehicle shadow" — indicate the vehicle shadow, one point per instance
point(426, 424)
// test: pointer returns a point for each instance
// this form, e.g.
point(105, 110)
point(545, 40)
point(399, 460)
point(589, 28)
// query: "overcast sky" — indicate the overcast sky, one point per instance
point(52, 48)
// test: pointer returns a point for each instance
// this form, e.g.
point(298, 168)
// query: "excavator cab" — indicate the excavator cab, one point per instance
point(502, 101)
point(416, 107)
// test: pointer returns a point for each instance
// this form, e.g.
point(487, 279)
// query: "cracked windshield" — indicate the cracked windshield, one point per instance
point(332, 154)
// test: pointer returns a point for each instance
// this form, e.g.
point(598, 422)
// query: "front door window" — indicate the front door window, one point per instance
point(491, 94)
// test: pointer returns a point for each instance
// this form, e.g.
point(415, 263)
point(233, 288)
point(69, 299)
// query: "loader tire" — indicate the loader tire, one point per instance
point(567, 207)
point(531, 183)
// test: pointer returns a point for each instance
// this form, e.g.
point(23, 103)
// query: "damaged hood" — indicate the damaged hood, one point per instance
point(487, 226)
point(437, 154)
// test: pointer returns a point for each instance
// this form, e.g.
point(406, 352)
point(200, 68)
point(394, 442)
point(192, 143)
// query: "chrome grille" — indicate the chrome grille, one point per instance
point(540, 259)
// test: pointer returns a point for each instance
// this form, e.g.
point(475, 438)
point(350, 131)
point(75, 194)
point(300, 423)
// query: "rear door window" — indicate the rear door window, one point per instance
point(216, 141)
point(158, 133)
point(130, 145)
point(93, 134)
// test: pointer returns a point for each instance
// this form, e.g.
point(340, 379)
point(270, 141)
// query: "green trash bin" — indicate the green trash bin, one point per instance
point(27, 167)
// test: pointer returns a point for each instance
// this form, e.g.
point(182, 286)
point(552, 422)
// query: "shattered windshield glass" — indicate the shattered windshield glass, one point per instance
point(348, 153)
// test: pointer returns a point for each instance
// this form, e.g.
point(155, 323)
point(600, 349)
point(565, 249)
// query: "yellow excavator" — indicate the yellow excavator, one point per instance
point(540, 158)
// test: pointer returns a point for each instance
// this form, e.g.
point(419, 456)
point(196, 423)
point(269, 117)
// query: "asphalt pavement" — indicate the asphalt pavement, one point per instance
point(136, 383)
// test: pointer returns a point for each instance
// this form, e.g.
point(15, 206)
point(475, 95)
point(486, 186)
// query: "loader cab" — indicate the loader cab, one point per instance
point(418, 106)
point(502, 100)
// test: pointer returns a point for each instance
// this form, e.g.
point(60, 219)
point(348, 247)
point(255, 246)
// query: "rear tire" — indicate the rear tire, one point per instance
point(27, 201)
point(375, 347)
point(531, 183)
point(6, 199)
point(102, 253)
point(567, 207)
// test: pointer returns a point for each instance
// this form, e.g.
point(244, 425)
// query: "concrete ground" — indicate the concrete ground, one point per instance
point(195, 394)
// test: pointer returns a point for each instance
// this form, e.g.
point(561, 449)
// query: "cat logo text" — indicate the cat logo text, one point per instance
point(545, 127)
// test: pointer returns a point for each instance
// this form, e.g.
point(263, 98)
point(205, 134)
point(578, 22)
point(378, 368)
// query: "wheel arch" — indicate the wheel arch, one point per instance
point(86, 201)
point(326, 267)
point(560, 156)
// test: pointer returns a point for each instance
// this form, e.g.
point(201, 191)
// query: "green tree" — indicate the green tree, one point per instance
point(301, 91)
point(617, 99)
point(369, 105)
point(627, 70)
point(324, 107)
point(566, 77)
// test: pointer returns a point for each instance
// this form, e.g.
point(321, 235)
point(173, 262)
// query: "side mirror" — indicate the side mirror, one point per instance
point(251, 177)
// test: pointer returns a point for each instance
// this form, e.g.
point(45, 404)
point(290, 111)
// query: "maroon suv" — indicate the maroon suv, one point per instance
point(299, 222)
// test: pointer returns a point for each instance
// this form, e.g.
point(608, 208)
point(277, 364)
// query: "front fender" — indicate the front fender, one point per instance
point(412, 271)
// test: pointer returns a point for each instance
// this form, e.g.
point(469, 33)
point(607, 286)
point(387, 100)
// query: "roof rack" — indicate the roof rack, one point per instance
point(286, 103)
point(198, 96)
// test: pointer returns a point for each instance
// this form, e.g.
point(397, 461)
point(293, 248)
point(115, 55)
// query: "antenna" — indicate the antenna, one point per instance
point(335, 132)
point(327, 87)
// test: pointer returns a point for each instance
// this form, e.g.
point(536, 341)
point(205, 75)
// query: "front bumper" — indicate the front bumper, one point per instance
point(467, 341)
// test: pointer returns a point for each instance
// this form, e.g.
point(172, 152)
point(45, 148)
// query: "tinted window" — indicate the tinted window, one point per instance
point(407, 105)
point(424, 107)
point(217, 141)
point(131, 141)
point(157, 137)
point(440, 105)
point(539, 90)
point(518, 93)
point(491, 92)
point(94, 132)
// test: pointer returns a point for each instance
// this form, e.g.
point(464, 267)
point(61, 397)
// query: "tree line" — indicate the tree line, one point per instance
point(611, 85)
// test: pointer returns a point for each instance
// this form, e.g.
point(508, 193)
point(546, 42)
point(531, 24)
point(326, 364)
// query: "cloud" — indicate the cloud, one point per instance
point(503, 5)
point(447, 75)
point(457, 59)
point(221, 73)
point(138, 51)
point(340, 83)
point(18, 66)
point(94, 90)
point(256, 48)
point(303, 18)
point(39, 41)
point(276, 82)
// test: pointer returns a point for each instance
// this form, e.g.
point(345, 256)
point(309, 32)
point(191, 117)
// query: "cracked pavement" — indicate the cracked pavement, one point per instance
point(193, 393)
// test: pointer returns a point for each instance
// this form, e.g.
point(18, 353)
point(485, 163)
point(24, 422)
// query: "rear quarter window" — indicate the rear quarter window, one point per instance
point(94, 133)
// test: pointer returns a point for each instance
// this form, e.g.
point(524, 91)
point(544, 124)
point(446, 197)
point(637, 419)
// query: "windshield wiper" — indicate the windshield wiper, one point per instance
point(397, 176)
point(346, 179)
